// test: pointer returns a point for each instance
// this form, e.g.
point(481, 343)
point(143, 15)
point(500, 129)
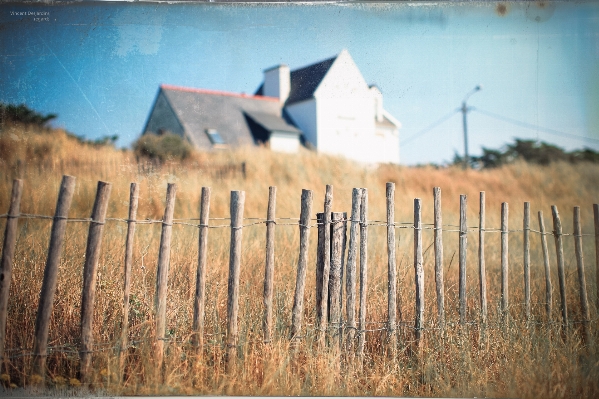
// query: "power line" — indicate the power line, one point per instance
point(427, 129)
point(531, 126)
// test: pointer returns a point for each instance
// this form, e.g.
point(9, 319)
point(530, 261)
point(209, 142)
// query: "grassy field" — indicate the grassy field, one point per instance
point(517, 360)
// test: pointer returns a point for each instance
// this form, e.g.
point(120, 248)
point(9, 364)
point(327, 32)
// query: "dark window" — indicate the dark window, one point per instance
point(215, 137)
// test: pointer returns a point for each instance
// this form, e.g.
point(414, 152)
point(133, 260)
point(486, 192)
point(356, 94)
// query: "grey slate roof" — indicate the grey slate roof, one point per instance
point(305, 81)
point(198, 110)
point(272, 122)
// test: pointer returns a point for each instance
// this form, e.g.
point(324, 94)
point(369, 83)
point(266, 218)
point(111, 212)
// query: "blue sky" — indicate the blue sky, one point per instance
point(99, 65)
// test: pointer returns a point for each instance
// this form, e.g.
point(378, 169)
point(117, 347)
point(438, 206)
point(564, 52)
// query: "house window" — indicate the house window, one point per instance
point(215, 137)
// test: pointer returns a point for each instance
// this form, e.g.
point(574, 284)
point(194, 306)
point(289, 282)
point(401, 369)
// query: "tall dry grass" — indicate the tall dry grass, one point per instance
point(516, 360)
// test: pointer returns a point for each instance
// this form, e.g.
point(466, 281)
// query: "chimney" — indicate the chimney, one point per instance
point(277, 82)
point(378, 102)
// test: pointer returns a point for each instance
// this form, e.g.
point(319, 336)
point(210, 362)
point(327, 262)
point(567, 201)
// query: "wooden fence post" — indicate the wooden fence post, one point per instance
point(90, 273)
point(350, 282)
point(162, 274)
point(504, 259)
point(131, 222)
point(200, 294)
point(582, 285)
point(44, 310)
point(418, 271)
point(319, 265)
point(526, 245)
point(300, 282)
point(8, 252)
point(391, 268)
point(463, 256)
point(482, 273)
point(596, 222)
point(237, 205)
point(322, 322)
point(559, 249)
point(548, 289)
point(334, 300)
point(270, 263)
point(363, 270)
point(438, 240)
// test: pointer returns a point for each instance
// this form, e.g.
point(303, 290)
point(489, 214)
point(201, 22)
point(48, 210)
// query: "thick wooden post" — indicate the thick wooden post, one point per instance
point(326, 267)
point(418, 271)
point(482, 273)
point(131, 222)
point(300, 281)
point(463, 256)
point(237, 205)
point(90, 273)
point(559, 249)
point(319, 264)
point(582, 285)
point(438, 240)
point(200, 294)
point(334, 299)
point(596, 222)
point(352, 253)
point(162, 274)
point(8, 252)
point(526, 245)
point(548, 289)
point(44, 310)
point(391, 268)
point(363, 270)
point(269, 269)
point(504, 259)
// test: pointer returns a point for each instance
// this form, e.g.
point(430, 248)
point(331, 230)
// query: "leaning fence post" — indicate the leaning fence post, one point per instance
point(559, 249)
point(326, 258)
point(363, 270)
point(548, 289)
point(391, 268)
point(582, 285)
point(482, 273)
point(418, 271)
point(438, 233)
point(8, 252)
point(596, 220)
point(162, 273)
point(90, 273)
point(526, 232)
point(44, 310)
point(504, 259)
point(237, 205)
point(334, 299)
point(200, 294)
point(270, 263)
point(300, 282)
point(131, 222)
point(350, 282)
point(463, 254)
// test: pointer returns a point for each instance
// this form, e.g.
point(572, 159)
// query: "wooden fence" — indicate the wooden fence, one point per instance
point(333, 265)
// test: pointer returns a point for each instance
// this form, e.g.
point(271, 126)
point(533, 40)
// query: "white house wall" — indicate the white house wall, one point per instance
point(284, 142)
point(304, 114)
point(163, 117)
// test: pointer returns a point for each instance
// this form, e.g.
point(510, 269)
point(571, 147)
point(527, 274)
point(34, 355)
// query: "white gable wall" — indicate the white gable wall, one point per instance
point(346, 116)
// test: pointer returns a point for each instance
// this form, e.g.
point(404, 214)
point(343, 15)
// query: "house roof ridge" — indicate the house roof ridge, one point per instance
point(217, 92)
point(315, 63)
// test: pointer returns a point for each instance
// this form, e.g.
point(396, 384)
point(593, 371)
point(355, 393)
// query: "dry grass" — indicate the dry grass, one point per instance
point(516, 360)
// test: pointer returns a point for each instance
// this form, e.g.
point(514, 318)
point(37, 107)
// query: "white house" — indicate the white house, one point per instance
point(335, 109)
point(328, 105)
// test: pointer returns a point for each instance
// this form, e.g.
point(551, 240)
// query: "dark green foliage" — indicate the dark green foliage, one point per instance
point(530, 151)
point(10, 113)
point(163, 147)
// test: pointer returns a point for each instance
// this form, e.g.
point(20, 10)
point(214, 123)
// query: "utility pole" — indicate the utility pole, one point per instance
point(465, 110)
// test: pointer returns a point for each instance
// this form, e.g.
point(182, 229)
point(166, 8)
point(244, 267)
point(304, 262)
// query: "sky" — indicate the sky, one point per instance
point(98, 65)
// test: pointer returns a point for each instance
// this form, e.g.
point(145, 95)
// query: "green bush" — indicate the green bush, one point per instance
point(164, 147)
